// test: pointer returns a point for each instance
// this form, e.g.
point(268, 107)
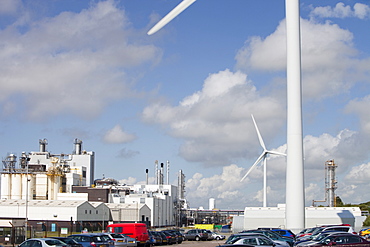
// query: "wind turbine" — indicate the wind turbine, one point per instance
point(262, 157)
point(295, 199)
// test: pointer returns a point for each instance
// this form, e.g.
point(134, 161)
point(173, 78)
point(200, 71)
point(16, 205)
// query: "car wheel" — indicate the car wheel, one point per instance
point(217, 238)
point(197, 238)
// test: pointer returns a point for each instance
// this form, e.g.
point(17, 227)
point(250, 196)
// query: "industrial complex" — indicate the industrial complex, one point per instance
point(42, 192)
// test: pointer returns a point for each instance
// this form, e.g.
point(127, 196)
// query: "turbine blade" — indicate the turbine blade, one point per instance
point(172, 14)
point(263, 155)
point(275, 152)
point(258, 133)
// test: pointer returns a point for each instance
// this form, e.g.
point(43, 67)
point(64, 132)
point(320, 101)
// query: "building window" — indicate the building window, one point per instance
point(97, 212)
point(90, 211)
point(142, 200)
point(85, 211)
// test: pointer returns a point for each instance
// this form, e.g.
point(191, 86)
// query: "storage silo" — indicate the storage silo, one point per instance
point(6, 186)
point(28, 190)
point(16, 189)
point(212, 203)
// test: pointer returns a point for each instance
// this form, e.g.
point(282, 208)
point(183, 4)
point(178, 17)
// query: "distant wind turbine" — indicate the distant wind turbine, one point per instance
point(262, 157)
point(295, 198)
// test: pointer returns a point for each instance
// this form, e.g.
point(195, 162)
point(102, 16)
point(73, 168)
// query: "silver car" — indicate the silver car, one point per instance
point(255, 241)
point(43, 242)
point(122, 240)
point(118, 239)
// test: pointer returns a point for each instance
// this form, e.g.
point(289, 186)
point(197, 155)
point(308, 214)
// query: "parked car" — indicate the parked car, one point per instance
point(342, 240)
point(92, 240)
point(119, 239)
point(305, 232)
point(285, 233)
point(254, 241)
point(364, 232)
point(171, 238)
point(138, 231)
point(131, 242)
point(164, 238)
point(178, 234)
point(232, 238)
point(276, 237)
point(317, 238)
point(70, 241)
point(318, 230)
point(154, 238)
point(215, 236)
point(42, 242)
point(196, 234)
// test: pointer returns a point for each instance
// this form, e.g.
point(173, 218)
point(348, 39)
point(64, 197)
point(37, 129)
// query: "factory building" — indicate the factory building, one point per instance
point(42, 175)
point(51, 192)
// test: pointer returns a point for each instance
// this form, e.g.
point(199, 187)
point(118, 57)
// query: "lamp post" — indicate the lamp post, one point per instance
point(24, 159)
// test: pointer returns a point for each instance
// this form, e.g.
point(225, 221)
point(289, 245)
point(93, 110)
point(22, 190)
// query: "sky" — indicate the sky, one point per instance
point(88, 70)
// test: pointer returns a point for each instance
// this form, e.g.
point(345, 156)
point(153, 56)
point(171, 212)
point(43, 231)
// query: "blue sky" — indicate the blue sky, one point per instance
point(88, 70)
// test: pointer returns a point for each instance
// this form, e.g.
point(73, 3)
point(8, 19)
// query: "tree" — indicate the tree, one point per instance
point(338, 202)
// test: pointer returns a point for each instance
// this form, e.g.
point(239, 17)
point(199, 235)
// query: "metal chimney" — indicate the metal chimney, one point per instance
point(78, 146)
point(168, 172)
point(156, 172)
point(43, 144)
point(146, 174)
point(161, 174)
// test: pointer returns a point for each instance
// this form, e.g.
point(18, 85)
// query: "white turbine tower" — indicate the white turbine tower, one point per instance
point(295, 199)
point(262, 157)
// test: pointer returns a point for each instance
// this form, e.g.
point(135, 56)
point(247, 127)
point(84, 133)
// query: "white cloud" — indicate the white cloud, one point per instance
point(329, 62)
point(362, 11)
point(359, 174)
point(73, 63)
point(129, 181)
point(214, 122)
point(10, 7)
point(360, 107)
point(118, 135)
point(226, 187)
point(341, 10)
point(346, 148)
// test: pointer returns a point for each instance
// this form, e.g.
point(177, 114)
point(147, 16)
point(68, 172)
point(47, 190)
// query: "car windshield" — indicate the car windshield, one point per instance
point(68, 241)
point(320, 236)
point(116, 235)
point(52, 242)
point(327, 239)
point(272, 235)
point(101, 238)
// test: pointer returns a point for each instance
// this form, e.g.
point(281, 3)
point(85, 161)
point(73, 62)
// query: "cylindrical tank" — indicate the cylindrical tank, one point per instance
point(54, 183)
point(28, 189)
point(16, 190)
point(6, 186)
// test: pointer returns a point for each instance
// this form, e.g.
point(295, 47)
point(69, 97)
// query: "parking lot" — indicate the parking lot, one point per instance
point(212, 243)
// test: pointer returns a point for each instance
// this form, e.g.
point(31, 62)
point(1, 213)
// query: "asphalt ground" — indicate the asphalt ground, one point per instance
point(210, 243)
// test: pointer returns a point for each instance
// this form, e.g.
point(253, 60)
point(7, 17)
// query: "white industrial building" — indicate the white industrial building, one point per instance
point(255, 217)
point(54, 210)
point(162, 200)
